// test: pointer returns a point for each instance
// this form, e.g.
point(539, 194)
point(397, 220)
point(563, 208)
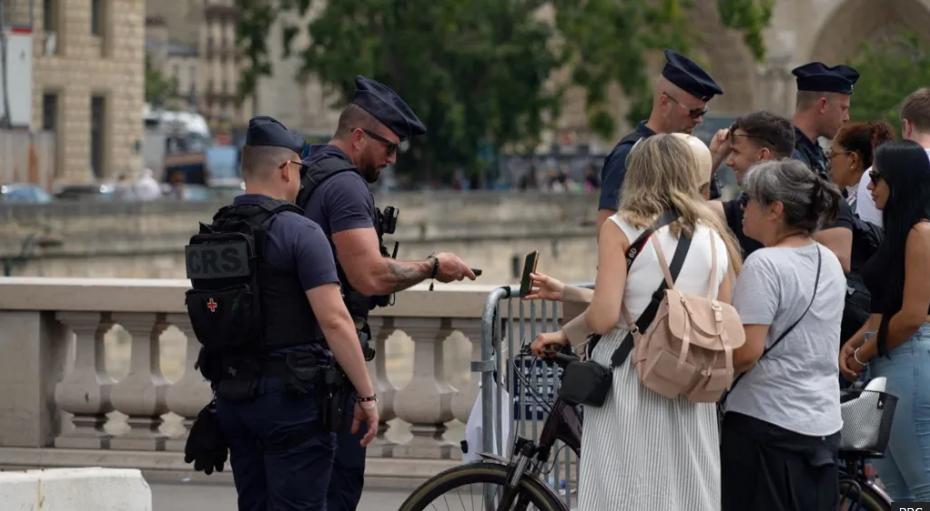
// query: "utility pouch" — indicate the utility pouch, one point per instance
point(240, 379)
point(302, 374)
point(221, 319)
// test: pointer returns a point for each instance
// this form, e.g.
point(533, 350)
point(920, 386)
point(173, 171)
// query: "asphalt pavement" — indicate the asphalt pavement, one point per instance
point(222, 497)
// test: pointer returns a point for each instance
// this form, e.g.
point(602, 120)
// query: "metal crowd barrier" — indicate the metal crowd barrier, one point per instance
point(507, 323)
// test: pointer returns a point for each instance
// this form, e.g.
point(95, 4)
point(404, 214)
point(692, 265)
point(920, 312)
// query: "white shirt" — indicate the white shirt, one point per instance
point(865, 206)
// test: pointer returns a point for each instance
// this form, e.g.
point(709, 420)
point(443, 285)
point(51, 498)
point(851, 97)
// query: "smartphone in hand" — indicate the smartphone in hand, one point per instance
point(529, 266)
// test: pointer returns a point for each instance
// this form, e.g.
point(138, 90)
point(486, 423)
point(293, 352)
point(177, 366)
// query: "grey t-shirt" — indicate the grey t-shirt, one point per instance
point(796, 386)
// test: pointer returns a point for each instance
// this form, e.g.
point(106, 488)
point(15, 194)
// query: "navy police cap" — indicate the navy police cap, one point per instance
point(267, 131)
point(689, 77)
point(385, 105)
point(818, 77)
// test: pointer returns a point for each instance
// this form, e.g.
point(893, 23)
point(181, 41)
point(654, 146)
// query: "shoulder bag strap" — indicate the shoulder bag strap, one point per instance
point(631, 252)
point(784, 334)
point(645, 319)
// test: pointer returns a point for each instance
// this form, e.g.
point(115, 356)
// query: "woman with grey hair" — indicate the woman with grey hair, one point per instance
point(780, 431)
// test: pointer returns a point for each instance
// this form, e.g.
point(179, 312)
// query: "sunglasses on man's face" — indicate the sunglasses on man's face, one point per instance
point(391, 146)
point(693, 113)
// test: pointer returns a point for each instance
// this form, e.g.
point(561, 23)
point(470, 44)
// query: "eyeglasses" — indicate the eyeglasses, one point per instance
point(391, 146)
point(693, 113)
point(875, 176)
point(303, 168)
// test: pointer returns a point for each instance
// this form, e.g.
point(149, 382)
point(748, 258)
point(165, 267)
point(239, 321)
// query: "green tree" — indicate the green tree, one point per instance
point(158, 88)
point(889, 70)
point(477, 71)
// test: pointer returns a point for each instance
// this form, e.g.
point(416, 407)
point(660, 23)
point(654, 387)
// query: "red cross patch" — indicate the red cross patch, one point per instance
point(211, 305)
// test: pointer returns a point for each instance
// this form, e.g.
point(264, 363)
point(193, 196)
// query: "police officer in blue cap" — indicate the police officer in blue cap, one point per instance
point(335, 195)
point(679, 103)
point(267, 308)
point(821, 109)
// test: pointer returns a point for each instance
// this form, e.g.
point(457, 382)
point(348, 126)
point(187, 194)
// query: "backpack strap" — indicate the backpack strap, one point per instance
point(645, 319)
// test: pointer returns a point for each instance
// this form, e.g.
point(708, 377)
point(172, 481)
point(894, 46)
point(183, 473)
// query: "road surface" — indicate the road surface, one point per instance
point(222, 497)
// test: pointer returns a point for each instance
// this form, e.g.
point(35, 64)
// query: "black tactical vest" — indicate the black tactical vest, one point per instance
point(239, 303)
point(358, 304)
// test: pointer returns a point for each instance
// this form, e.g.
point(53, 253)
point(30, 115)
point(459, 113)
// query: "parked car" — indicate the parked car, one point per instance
point(24, 192)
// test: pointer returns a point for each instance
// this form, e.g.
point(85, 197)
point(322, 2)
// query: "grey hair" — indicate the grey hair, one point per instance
point(809, 201)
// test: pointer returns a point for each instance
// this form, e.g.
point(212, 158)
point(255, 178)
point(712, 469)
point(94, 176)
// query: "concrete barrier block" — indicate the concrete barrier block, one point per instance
point(75, 489)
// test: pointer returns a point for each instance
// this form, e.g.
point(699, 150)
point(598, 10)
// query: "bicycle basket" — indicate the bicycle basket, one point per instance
point(867, 416)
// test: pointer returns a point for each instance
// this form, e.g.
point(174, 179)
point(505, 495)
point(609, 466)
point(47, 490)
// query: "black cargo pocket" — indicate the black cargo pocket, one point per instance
point(221, 319)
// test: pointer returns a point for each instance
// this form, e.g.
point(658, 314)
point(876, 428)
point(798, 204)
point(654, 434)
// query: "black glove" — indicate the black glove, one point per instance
point(206, 446)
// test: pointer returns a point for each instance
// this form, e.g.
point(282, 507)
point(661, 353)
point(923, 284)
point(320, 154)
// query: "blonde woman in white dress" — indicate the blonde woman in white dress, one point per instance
point(641, 450)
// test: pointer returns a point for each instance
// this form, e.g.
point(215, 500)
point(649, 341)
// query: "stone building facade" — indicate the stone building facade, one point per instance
point(88, 85)
point(201, 31)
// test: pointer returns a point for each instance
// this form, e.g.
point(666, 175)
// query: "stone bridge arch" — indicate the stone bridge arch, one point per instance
point(851, 22)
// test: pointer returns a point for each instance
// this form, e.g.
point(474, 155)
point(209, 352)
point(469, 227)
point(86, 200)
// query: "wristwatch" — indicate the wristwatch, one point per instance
point(368, 403)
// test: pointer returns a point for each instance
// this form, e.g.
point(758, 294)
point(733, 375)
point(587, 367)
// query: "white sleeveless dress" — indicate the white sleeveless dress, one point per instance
point(642, 450)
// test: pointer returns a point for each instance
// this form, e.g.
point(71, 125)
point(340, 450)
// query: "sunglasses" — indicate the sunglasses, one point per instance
point(693, 113)
point(391, 146)
point(743, 200)
point(875, 176)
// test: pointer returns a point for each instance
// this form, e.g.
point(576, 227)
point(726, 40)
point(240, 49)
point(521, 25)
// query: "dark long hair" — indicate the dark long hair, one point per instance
point(904, 166)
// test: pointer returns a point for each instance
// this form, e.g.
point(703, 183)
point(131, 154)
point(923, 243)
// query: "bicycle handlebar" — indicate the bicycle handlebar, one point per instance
point(563, 359)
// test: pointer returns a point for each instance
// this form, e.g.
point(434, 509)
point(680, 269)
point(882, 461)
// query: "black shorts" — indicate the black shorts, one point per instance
point(768, 468)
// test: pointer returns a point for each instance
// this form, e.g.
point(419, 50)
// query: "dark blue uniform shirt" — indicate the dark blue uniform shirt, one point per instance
point(614, 171)
point(296, 244)
point(342, 202)
point(810, 152)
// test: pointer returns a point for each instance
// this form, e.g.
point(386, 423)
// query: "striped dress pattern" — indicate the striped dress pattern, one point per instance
point(642, 450)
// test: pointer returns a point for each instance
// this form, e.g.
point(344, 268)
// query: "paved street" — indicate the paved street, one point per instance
point(222, 497)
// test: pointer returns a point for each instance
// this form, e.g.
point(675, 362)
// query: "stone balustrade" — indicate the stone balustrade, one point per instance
point(98, 372)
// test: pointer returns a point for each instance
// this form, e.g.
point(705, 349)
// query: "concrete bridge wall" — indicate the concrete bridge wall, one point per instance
point(146, 240)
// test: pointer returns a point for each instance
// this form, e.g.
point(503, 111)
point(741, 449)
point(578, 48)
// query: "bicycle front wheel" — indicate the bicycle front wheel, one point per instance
point(464, 488)
point(851, 499)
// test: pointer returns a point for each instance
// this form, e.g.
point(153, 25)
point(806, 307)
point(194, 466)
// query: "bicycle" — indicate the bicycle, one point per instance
point(858, 491)
point(520, 476)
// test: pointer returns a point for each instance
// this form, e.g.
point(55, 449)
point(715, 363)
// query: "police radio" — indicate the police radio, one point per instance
point(389, 220)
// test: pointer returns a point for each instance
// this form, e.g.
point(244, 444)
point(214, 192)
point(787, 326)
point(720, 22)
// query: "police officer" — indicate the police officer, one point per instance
point(821, 109)
point(336, 196)
point(679, 103)
point(273, 401)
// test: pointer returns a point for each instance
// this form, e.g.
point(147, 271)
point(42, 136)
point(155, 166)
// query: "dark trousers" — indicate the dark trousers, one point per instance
point(348, 477)
point(279, 453)
point(767, 468)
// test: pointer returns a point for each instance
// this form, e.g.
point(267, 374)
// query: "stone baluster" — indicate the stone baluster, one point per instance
point(464, 399)
point(192, 392)
point(85, 389)
point(381, 328)
point(426, 403)
point(141, 394)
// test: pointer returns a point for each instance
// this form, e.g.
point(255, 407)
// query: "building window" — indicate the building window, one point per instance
point(49, 19)
point(96, 17)
point(97, 122)
point(49, 111)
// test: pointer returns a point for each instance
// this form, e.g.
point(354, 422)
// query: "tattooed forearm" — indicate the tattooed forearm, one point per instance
point(405, 274)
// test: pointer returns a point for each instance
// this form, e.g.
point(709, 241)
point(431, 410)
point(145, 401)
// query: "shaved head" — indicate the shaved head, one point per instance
point(353, 117)
point(259, 162)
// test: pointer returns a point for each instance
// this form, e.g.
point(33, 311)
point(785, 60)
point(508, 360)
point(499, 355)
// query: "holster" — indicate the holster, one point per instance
point(335, 405)
point(364, 337)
